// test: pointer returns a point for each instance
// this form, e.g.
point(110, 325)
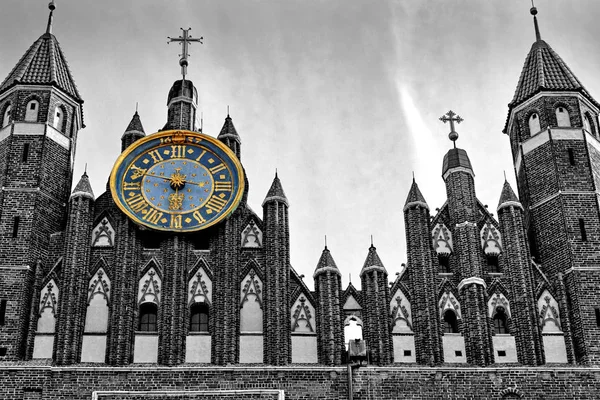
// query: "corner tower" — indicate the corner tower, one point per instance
point(40, 116)
point(553, 129)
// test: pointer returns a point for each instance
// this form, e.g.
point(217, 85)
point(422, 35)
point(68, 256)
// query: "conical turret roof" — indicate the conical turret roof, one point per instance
point(326, 263)
point(83, 188)
point(508, 196)
point(43, 64)
point(415, 196)
point(228, 130)
point(276, 192)
point(135, 125)
point(372, 262)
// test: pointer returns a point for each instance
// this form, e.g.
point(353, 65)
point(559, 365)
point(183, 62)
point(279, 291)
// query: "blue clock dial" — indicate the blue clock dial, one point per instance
point(177, 180)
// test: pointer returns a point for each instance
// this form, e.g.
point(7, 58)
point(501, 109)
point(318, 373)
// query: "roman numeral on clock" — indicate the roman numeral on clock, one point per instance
point(217, 168)
point(216, 204)
point(176, 221)
point(156, 157)
point(137, 203)
point(132, 185)
point(153, 216)
point(223, 186)
point(178, 151)
point(198, 217)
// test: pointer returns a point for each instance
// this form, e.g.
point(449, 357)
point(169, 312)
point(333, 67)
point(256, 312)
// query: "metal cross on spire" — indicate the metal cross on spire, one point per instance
point(451, 117)
point(184, 40)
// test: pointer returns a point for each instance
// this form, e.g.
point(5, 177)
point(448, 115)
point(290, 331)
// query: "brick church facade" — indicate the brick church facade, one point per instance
point(94, 306)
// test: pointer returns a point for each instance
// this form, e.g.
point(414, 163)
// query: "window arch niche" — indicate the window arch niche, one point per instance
point(59, 118)
point(548, 313)
point(534, 124)
point(7, 115)
point(149, 293)
point(32, 110)
point(449, 312)
point(96, 317)
point(562, 117)
point(353, 329)
point(589, 125)
point(48, 308)
point(251, 296)
point(199, 317)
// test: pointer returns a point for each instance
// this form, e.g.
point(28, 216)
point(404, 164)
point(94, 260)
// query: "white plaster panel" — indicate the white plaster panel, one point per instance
point(548, 313)
point(149, 287)
point(567, 134)
point(555, 349)
point(28, 128)
point(442, 239)
point(351, 304)
point(47, 321)
point(251, 313)
point(498, 300)
point(401, 313)
point(5, 132)
point(304, 349)
point(197, 349)
point(505, 343)
point(535, 141)
point(145, 349)
point(42, 346)
point(518, 162)
point(200, 288)
point(93, 348)
point(103, 234)
point(303, 316)
point(453, 342)
point(252, 236)
point(402, 343)
point(57, 137)
point(96, 316)
point(589, 139)
point(251, 349)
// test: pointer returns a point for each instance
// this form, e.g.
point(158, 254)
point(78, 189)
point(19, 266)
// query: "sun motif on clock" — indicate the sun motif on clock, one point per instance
point(180, 181)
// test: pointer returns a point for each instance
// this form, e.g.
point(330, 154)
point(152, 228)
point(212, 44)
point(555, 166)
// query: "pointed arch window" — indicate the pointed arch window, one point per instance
point(148, 314)
point(534, 124)
point(450, 322)
point(562, 117)
point(32, 110)
point(588, 124)
point(59, 116)
point(199, 317)
point(7, 117)
point(500, 321)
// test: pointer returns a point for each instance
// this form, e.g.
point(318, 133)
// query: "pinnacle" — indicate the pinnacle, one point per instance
point(228, 130)
point(276, 193)
point(83, 188)
point(372, 262)
point(414, 194)
point(326, 263)
point(508, 195)
point(135, 125)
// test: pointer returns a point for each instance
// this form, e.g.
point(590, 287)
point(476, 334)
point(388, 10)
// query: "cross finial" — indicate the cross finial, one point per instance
point(184, 40)
point(452, 117)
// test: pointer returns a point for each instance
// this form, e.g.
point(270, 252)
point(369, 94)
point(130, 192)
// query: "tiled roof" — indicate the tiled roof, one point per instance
point(276, 192)
point(228, 130)
point(456, 158)
point(544, 70)
point(508, 195)
point(326, 261)
point(414, 195)
point(43, 64)
point(372, 260)
point(135, 124)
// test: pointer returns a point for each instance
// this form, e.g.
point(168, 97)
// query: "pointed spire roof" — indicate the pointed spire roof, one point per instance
point(228, 130)
point(43, 64)
point(83, 188)
point(508, 197)
point(135, 125)
point(415, 197)
point(325, 264)
point(373, 262)
point(276, 193)
point(544, 70)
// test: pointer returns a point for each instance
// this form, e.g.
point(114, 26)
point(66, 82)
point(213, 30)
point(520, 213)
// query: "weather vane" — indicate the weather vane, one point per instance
point(184, 40)
point(451, 117)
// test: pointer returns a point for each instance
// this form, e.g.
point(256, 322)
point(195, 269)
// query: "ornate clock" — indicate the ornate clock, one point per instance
point(179, 181)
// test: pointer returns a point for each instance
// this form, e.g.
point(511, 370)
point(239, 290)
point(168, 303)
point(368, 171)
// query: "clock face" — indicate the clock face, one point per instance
point(177, 181)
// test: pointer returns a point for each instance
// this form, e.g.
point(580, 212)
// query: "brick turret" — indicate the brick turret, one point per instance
point(134, 131)
point(73, 300)
point(462, 207)
point(555, 141)
point(330, 335)
point(426, 322)
point(277, 340)
point(182, 103)
point(518, 267)
point(230, 137)
point(376, 294)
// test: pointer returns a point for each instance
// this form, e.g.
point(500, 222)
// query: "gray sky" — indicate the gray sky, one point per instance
point(342, 97)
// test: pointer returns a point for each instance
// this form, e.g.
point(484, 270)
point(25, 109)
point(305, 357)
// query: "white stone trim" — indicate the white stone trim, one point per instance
point(472, 280)
point(466, 223)
point(567, 133)
point(58, 137)
point(372, 268)
point(133, 131)
point(184, 99)
point(458, 169)
point(416, 203)
point(229, 135)
point(562, 192)
point(325, 269)
point(506, 204)
point(518, 162)
point(29, 128)
point(277, 198)
point(102, 394)
point(535, 141)
point(16, 267)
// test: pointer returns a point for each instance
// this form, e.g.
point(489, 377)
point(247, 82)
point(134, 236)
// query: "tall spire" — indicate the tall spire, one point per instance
point(51, 6)
point(533, 12)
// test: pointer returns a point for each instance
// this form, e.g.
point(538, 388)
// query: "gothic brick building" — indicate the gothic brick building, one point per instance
point(93, 305)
